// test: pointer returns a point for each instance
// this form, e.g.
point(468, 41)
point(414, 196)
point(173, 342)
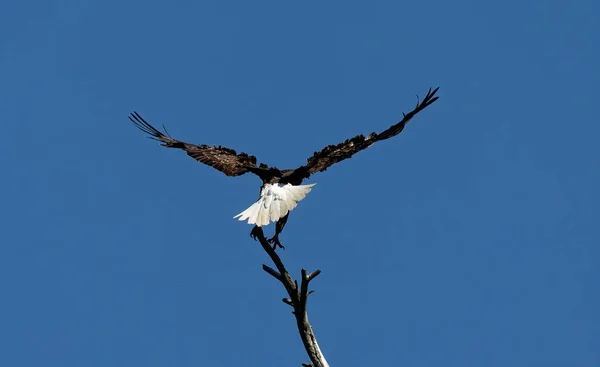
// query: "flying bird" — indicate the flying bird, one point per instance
point(281, 190)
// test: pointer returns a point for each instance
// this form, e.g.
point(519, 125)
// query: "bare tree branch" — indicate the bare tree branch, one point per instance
point(272, 272)
point(297, 299)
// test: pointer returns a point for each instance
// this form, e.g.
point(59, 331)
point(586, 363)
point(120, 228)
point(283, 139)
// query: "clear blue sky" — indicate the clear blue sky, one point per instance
point(471, 239)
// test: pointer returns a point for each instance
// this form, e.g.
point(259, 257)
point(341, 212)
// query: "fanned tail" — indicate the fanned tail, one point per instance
point(275, 202)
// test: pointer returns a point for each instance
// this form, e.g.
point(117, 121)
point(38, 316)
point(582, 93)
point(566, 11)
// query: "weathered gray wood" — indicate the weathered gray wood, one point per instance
point(297, 299)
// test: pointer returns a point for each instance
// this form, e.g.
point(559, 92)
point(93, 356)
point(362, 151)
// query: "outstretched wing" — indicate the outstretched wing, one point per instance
point(333, 154)
point(223, 159)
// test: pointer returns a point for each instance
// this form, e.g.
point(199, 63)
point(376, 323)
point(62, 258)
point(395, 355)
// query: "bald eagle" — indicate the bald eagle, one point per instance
point(281, 189)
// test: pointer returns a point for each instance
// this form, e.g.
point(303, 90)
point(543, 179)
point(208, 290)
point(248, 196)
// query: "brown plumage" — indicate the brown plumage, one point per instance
point(223, 159)
point(232, 163)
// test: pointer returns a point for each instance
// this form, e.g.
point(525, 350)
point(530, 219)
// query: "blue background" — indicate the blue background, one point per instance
point(471, 239)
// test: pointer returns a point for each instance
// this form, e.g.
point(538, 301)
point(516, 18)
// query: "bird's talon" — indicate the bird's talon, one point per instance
point(255, 232)
point(275, 242)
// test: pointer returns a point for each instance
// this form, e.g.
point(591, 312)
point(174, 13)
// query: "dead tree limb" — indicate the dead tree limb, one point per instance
point(297, 299)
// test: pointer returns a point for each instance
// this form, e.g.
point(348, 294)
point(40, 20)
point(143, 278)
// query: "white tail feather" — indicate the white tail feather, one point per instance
point(250, 213)
point(263, 216)
point(275, 209)
point(275, 202)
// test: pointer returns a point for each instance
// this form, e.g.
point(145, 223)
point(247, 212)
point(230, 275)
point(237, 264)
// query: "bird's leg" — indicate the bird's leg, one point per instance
point(256, 231)
point(278, 228)
point(275, 242)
